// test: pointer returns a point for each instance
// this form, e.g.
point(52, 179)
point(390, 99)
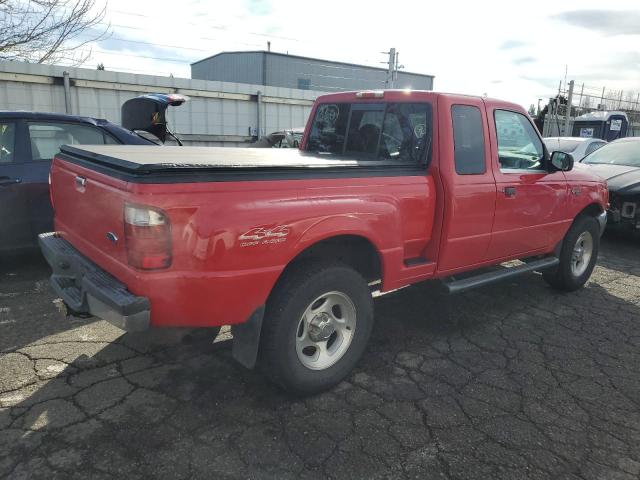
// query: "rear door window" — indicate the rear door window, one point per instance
point(7, 142)
point(47, 138)
point(593, 147)
point(398, 132)
point(468, 140)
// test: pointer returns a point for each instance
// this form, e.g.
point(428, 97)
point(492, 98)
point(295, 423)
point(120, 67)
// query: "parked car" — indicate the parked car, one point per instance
point(283, 139)
point(619, 163)
point(28, 142)
point(389, 188)
point(578, 147)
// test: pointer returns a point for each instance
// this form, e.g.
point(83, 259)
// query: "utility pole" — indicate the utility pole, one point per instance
point(567, 114)
point(391, 67)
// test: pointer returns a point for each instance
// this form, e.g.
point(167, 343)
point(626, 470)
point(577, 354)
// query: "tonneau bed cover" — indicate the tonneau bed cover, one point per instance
point(148, 159)
point(155, 164)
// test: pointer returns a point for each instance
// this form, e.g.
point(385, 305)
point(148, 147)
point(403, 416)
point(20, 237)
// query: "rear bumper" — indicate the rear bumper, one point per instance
point(86, 288)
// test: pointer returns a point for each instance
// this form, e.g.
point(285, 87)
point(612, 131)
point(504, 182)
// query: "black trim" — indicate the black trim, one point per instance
point(487, 278)
point(87, 289)
point(119, 169)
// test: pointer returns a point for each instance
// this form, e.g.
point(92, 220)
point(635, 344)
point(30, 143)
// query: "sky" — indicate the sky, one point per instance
point(512, 50)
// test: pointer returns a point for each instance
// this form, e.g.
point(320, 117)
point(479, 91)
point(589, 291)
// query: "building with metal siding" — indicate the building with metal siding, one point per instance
point(292, 71)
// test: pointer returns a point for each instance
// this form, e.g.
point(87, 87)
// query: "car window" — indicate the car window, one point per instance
point(519, 147)
point(109, 140)
point(468, 140)
point(46, 138)
point(593, 147)
point(620, 152)
point(562, 145)
point(7, 142)
point(372, 131)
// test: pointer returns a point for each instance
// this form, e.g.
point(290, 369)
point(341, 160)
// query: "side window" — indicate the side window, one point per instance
point(109, 140)
point(468, 140)
point(46, 138)
point(593, 147)
point(519, 147)
point(7, 142)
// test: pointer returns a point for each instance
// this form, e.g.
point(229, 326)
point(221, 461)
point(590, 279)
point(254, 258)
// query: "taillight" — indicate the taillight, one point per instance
point(147, 233)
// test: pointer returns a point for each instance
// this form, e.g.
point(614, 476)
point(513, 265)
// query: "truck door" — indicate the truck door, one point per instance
point(530, 199)
point(15, 227)
point(469, 188)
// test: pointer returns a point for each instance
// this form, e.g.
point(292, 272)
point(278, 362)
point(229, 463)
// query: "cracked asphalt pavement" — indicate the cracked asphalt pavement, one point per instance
point(513, 381)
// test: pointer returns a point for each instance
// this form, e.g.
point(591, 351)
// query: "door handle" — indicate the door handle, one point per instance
point(4, 181)
point(509, 191)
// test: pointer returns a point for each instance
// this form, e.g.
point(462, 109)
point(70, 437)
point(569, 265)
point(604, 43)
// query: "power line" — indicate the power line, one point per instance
point(152, 44)
point(164, 59)
point(219, 27)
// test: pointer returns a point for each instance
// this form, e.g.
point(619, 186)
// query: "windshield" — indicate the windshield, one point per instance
point(567, 146)
point(372, 131)
point(617, 153)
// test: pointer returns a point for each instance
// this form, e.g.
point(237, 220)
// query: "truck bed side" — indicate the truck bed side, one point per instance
point(231, 240)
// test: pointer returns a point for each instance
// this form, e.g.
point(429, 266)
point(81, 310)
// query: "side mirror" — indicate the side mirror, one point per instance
point(562, 161)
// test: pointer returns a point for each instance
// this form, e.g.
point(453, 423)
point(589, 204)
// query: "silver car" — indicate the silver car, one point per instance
point(578, 147)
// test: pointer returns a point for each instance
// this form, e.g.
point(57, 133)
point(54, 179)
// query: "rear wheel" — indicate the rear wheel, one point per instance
point(316, 328)
point(578, 256)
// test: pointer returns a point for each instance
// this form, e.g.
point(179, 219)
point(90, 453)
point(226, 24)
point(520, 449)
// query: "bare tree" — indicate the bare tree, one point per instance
point(49, 31)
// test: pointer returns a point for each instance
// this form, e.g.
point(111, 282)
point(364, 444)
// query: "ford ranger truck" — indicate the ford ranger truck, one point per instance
point(388, 188)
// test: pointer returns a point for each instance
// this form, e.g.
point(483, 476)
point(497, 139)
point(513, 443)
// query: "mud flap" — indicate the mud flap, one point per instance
point(246, 339)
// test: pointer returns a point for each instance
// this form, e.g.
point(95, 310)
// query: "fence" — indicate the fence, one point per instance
point(576, 100)
point(218, 113)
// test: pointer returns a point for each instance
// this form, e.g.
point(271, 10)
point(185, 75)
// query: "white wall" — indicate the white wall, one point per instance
point(218, 112)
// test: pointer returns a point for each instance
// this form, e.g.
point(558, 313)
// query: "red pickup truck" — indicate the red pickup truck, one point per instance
point(389, 188)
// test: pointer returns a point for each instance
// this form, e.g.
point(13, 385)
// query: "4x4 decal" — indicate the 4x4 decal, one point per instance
point(264, 236)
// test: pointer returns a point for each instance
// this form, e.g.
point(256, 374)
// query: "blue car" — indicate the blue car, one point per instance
point(28, 142)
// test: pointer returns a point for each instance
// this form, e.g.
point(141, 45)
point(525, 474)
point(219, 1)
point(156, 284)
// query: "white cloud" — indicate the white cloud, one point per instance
point(511, 50)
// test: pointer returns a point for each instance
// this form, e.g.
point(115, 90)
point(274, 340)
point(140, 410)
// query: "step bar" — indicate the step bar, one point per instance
point(483, 279)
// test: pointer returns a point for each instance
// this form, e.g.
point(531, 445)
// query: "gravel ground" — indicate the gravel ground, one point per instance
point(513, 381)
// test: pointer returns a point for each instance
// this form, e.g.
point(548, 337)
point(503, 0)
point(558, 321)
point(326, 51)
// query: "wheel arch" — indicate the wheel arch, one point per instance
point(592, 210)
point(353, 249)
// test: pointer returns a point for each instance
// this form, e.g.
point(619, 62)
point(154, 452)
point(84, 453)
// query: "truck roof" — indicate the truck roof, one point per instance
point(403, 95)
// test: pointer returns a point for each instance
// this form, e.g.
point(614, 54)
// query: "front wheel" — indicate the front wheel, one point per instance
point(316, 327)
point(578, 256)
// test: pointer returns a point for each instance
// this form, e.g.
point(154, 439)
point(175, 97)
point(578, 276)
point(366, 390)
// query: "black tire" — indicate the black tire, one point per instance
point(293, 294)
point(563, 277)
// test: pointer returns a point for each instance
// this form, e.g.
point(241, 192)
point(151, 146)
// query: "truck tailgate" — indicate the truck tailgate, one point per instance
point(89, 210)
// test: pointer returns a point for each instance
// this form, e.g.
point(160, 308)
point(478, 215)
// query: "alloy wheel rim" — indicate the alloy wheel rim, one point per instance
point(581, 254)
point(325, 330)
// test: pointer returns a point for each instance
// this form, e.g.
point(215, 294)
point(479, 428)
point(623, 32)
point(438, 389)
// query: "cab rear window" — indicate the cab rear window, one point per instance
point(399, 132)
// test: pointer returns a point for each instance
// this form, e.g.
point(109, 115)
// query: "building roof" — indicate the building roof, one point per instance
point(600, 115)
point(308, 58)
